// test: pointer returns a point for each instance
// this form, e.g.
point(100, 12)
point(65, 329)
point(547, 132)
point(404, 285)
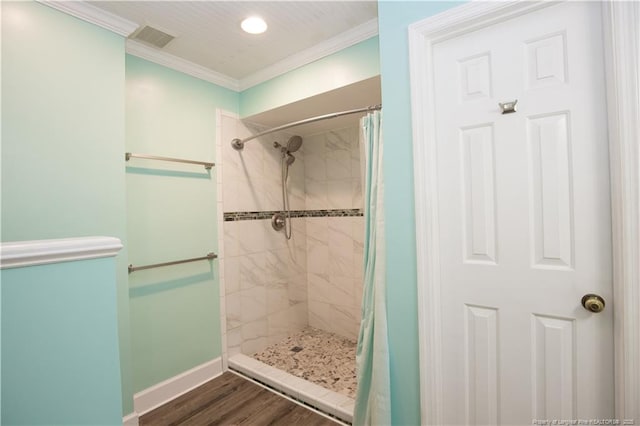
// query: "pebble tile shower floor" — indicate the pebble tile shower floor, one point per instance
point(323, 358)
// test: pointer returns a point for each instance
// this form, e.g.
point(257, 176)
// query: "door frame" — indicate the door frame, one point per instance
point(621, 38)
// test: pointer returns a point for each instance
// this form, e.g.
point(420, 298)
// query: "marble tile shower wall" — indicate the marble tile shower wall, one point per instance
point(332, 170)
point(273, 287)
point(335, 273)
point(334, 244)
point(265, 282)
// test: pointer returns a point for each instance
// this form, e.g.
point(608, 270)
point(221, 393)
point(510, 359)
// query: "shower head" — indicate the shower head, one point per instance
point(294, 143)
point(289, 158)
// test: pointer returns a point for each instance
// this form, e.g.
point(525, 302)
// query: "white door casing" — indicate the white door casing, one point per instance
point(623, 98)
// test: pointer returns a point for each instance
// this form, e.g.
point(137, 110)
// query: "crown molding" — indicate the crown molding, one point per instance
point(341, 41)
point(87, 12)
point(143, 51)
point(19, 254)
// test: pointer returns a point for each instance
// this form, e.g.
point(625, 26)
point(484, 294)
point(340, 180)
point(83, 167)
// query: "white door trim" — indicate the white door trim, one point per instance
point(622, 60)
point(622, 52)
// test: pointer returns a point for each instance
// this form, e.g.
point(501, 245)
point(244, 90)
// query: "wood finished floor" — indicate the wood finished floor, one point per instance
point(232, 400)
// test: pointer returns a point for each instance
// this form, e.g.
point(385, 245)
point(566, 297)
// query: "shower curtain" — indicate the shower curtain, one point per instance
point(373, 404)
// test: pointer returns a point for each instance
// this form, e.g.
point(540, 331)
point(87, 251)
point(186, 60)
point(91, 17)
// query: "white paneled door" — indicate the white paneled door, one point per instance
point(524, 219)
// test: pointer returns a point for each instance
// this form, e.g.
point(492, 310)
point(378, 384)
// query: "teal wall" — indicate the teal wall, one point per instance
point(63, 98)
point(63, 135)
point(60, 345)
point(171, 214)
point(350, 65)
point(394, 18)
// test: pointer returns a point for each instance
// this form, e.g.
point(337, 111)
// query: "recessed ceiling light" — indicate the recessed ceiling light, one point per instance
point(254, 25)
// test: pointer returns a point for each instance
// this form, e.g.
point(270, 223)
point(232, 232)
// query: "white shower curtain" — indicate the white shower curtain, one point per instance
point(373, 399)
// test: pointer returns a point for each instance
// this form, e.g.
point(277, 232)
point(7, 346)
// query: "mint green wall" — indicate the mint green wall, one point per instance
point(171, 215)
point(350, 65)
point(394, 18)
point(63, 137)
point(60, 345)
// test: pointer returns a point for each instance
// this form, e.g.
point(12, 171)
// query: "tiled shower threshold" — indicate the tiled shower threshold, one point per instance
point(328, 401)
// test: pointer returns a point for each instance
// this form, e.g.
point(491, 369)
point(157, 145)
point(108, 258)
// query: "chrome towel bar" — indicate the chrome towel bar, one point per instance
point(209, 256)
point(128, 155)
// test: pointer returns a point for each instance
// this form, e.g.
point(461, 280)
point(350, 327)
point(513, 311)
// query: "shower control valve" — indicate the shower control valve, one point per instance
point(278, 221)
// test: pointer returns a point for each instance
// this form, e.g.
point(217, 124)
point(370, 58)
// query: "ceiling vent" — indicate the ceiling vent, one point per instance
point(153, 36)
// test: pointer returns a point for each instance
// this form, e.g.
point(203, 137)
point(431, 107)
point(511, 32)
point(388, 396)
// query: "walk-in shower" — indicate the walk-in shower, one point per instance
point(293, 305)
point(282, 220)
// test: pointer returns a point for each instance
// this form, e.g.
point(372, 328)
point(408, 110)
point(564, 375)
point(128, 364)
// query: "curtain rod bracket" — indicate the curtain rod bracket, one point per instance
point(237, 144)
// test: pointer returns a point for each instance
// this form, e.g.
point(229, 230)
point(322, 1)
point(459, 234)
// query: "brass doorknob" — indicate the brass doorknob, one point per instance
point(593, 303)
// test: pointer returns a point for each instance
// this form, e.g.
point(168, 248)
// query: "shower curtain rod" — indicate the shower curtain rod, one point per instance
point(238, 144)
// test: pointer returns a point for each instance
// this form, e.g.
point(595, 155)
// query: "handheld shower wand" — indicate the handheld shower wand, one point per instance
point(280, 221)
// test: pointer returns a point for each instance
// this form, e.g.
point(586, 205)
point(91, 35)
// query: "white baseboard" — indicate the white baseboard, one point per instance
point(130, 419)
point(157, 395)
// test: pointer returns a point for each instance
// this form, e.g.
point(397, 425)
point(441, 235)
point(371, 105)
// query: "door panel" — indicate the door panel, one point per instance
point(524, 217)
point(551, 201)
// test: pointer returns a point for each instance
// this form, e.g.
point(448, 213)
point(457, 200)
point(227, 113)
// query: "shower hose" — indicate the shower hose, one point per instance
point(285, 197)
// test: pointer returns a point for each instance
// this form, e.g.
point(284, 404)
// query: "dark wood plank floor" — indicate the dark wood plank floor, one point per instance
point(232, 400)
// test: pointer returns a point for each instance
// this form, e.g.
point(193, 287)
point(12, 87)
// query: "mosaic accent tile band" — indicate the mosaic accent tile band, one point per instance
point(236, 216)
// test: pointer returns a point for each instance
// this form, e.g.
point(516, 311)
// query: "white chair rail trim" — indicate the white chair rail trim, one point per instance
point(19, 254)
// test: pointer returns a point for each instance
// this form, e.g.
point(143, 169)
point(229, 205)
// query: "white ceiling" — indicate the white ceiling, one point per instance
point(208, 32)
